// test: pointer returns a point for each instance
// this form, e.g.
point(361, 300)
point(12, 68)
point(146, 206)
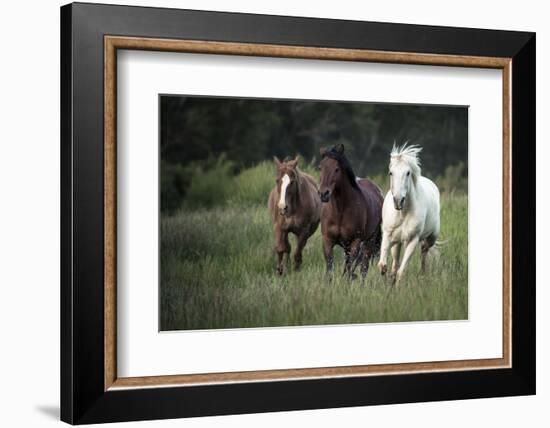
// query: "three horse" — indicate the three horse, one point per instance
point(351, 213)
point(354, 213)
point(295, 208)
point(410, 212)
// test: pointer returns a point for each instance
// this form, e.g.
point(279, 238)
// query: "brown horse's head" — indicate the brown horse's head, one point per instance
point(335, 170)
point(287, 183)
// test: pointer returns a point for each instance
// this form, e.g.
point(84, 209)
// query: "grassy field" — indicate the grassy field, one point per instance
point(218, 271)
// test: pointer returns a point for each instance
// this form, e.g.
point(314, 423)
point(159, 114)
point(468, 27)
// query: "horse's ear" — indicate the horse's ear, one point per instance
point(339, 148)
point(277, 161)
point(294, 162)
point(323, 151)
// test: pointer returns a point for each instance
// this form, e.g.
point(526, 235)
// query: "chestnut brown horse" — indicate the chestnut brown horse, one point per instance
point(351, 214)
point(295, 208)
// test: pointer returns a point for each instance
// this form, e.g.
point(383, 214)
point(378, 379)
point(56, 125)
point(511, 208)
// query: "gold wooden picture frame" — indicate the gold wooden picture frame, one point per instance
point(114, 43)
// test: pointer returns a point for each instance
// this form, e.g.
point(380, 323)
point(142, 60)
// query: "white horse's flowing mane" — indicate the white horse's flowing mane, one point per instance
point(409, 155)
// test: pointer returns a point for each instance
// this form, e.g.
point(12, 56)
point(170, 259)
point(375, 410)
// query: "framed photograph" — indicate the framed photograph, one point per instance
point(265, 213)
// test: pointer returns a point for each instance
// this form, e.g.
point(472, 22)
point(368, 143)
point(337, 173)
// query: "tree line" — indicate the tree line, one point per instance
point(196, 131)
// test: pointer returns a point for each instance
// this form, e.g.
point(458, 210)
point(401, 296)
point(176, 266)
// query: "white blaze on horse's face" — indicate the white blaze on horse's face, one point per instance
point(282, 200)
point(400, 183)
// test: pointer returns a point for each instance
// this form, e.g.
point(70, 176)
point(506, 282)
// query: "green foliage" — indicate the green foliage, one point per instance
point(252, 185)
point(218, 271)
point(211, 186)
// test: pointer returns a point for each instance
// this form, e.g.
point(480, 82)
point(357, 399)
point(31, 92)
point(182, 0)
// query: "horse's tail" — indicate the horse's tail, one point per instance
point(435, 250)
point(440, 244)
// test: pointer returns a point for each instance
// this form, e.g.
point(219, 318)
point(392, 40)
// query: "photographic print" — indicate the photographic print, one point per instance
point(298, 213)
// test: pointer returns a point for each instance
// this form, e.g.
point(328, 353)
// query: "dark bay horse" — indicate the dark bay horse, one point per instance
point(295, 208)
point(351, 214)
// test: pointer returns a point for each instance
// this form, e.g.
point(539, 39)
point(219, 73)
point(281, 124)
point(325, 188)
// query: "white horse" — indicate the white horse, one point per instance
point(410, 214)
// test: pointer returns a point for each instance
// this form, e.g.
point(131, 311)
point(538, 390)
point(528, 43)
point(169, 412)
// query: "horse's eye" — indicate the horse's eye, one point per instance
point(337, 169)
point(408, 173)
point(390, 173)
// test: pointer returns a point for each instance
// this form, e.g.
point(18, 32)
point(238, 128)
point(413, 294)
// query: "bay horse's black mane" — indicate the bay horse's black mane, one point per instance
point(344, 164)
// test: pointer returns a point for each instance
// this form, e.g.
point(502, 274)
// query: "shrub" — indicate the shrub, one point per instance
point(210, 186)
point(252, 186)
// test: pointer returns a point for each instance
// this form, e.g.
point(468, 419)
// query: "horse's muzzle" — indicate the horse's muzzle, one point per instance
point(398, 203)
point(325, 196)
point(283, 211)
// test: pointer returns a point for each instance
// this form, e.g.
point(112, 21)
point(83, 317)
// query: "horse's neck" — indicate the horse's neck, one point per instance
point(345, 196)
point(411, 201)
point(295, 203)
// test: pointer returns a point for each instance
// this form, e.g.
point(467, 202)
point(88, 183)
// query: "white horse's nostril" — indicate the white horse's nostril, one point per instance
point(396, 203)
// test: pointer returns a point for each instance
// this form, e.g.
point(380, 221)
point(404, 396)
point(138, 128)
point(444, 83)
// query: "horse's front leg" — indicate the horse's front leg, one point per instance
point(353, 252)
point(362, 257)
point(302, 241)
point(409, 250)
point(369, 249)
point(327, 252)
point(383, 262)
point(347, 258)
point(395, 254)
point(282, 248)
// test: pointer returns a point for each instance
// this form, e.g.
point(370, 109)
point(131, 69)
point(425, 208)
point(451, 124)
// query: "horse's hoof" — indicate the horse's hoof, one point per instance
point(395, 280)
point(383, 269)
point(280, 271)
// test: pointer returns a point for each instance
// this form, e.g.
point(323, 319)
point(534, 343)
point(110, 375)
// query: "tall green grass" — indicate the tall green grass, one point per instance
point(218, 270)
